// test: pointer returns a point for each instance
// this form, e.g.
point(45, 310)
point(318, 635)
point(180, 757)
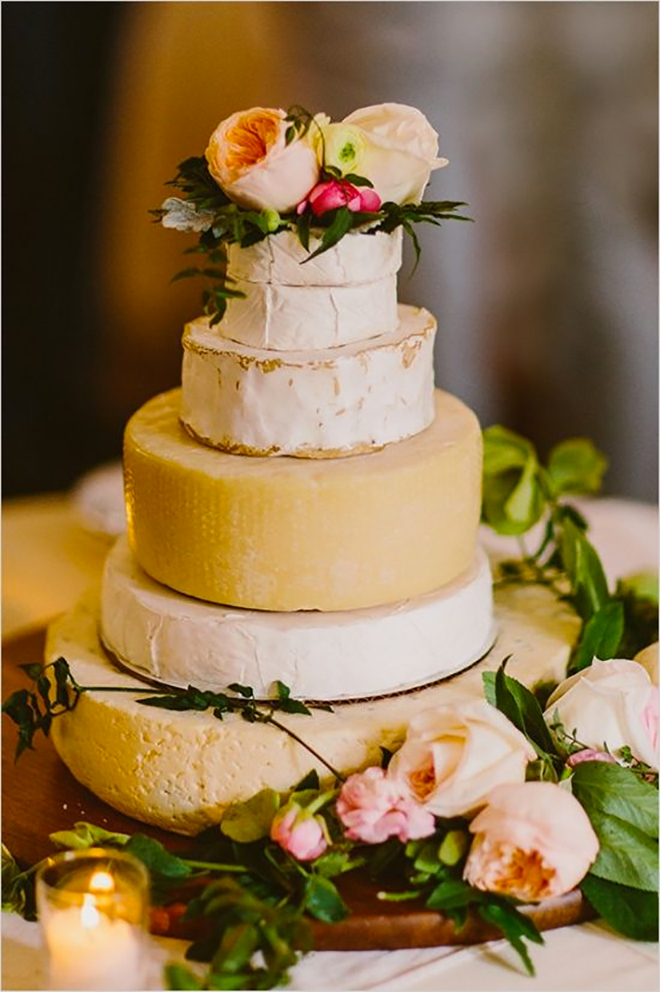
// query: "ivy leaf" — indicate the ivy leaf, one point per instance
point(250, 821)
point(522, 708)
point(600, 637)
point(322, 900)
point(576, 466)
point(631, 912)
point(513, 500)
point(17, 887)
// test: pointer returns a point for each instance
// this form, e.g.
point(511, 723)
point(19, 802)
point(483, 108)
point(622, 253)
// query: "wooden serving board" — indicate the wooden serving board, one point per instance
point(40, 796)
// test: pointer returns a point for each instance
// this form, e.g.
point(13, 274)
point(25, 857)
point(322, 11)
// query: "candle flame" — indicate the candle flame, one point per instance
point(89, 914)
point(102, 881)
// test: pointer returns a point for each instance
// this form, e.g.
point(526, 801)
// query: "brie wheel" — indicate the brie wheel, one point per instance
point(337, 401)
point(181, 641)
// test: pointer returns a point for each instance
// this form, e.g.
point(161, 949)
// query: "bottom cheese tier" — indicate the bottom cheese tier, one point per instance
point(176, 640)
point(180, 770)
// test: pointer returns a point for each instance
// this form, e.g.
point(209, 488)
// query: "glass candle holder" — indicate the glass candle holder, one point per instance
point(93, 909)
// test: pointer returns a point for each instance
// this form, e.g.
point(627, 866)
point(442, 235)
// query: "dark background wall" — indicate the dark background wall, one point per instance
point(547, 305)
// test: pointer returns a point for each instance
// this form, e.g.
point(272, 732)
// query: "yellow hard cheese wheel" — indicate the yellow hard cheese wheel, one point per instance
point(292, 534)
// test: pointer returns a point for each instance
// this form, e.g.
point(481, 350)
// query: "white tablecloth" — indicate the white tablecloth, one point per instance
point(49, 558)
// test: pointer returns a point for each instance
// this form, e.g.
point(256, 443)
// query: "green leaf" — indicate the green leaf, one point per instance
point(322, 900)
point(86, 835)
point(310, 781)
point(643, 585)
point(521, 707)
point(177, 976)
point(627, 855)
point(452, 893)
point(611, 789)
point(156, 858)
point(576, 466)
point(505, 450)
point(584, 569)
point(600, 637)
point(341, 223)
point(631, 912)
point(17, 887)
point(237, 946)
point(250, 821)
point(514, 926)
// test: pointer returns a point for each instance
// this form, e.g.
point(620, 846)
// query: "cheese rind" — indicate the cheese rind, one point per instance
point(181, 641)
point(294, 302)
point(294, 534)
point(356, 397)
point(180, 771)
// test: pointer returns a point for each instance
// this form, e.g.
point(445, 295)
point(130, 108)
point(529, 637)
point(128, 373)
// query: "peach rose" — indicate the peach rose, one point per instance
point(609, 705)
point(533, 841)
point(250, 160)
point(392, 145)
point(454, 754)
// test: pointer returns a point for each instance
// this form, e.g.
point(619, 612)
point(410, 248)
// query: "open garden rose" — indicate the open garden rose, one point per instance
point(533, 840)
point(374, 807)
point(392, 145)
point(609, 705)
point(299, 832)
point(456, 753)
point(250, 160)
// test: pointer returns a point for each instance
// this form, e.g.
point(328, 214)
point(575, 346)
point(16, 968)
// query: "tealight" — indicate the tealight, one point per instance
point(93, 908)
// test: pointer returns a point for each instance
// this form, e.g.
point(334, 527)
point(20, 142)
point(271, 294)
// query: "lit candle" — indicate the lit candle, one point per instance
point(92, 920)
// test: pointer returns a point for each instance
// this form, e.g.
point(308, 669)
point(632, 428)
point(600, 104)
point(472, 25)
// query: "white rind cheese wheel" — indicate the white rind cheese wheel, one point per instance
point(296, 303)
point(181, 641)
point(334, 402)
point(293, 533)
point(180, 771)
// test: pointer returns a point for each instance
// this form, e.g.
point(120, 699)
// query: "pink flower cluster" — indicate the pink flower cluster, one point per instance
point(339, 193)
point(374, 807)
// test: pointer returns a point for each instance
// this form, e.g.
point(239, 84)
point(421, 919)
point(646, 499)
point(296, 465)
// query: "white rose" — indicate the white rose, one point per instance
point(400, 150)
point(455, 754)
point(250, 160)
point(610, 704)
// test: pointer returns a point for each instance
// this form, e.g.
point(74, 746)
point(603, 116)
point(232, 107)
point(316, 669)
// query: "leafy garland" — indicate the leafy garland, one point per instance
point(248, 895)
point(206, 208)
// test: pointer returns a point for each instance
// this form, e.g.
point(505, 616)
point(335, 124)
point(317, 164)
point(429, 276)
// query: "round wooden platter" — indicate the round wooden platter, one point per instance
point(40, 796)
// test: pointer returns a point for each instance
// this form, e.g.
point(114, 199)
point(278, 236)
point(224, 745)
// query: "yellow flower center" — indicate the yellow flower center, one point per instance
point(250, 140)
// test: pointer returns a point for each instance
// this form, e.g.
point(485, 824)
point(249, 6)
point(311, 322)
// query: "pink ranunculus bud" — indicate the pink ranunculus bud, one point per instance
point(298, 832)
point(339, 193)
point(373, 807)
point(588, 754)
point(533, 841)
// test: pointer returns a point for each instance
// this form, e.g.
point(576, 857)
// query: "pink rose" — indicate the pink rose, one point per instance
point(454, 754)
point(373, 807)
point(588, 754)
point(533, 841)
point(250, 160)
point(339, 193)
point(298, 832)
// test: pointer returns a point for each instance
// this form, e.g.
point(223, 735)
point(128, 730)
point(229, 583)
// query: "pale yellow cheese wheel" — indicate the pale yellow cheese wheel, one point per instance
point(293, 534)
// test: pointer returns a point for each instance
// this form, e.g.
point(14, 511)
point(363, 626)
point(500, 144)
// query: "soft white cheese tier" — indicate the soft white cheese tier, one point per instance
point(292, 302)
point(182, 641)
point(333, 402)
point(298, 533)
point(181, 770)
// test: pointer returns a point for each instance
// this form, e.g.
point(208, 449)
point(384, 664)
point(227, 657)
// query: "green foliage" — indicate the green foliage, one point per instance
point(519, 493)
point(86, 835)
point(631, 912)
point(251, 820)
point(17, 887)
point(32, 710)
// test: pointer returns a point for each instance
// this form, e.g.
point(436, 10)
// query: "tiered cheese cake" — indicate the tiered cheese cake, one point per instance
point(304, 509)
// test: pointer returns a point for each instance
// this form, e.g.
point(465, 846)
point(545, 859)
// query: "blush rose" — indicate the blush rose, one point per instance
point(532, 841)
point(250, 160)
point(455, 754)
point(299, 832)
point(373, 807)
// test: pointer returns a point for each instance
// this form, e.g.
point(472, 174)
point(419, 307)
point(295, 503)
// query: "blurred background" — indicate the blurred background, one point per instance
point(546, 305)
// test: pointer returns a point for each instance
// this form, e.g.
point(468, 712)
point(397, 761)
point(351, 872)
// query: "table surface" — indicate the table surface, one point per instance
point(49, 558)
